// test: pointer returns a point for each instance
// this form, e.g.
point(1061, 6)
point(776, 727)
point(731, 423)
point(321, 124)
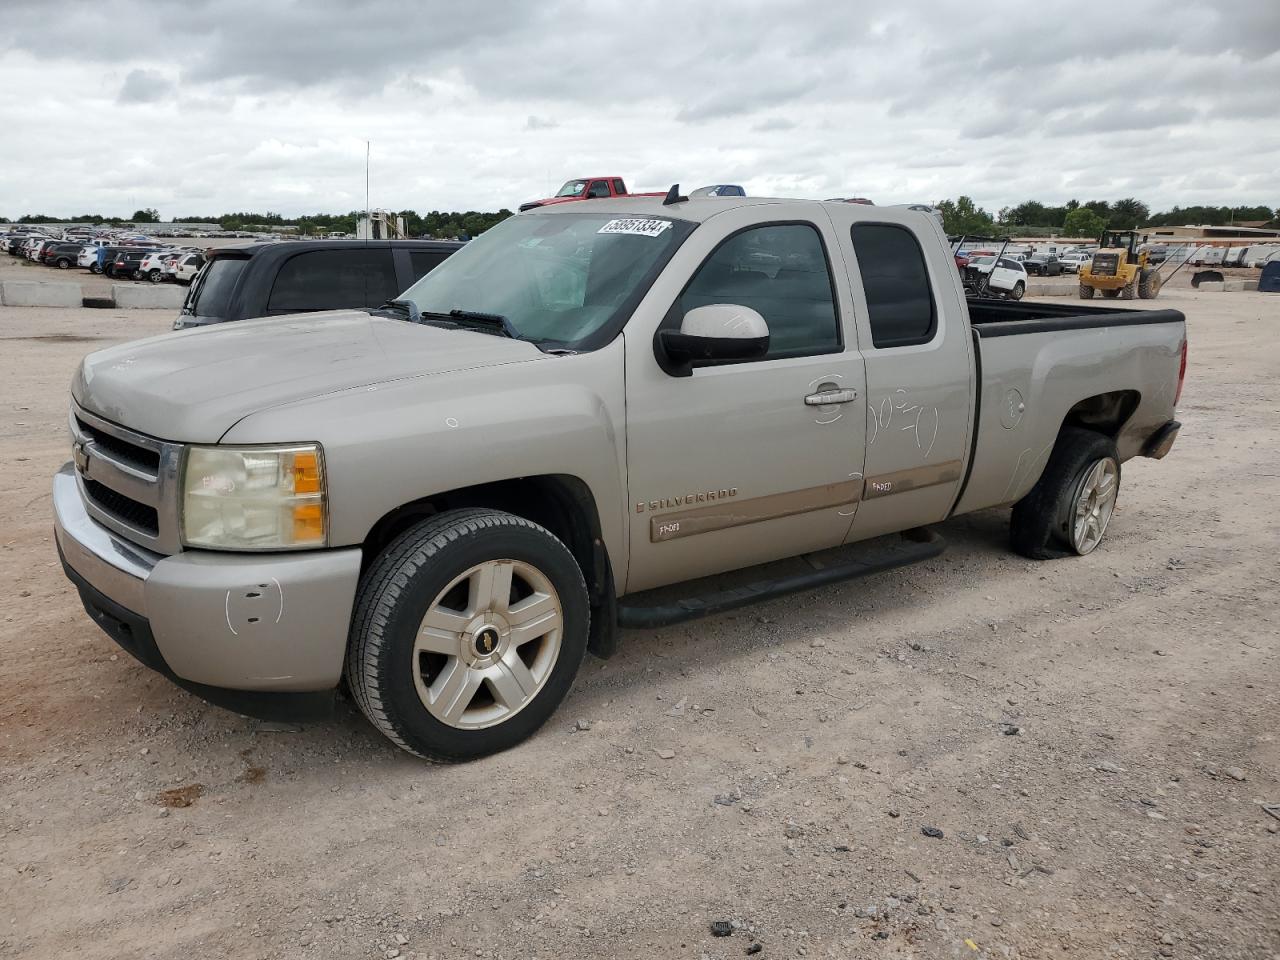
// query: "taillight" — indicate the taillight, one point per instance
point(1182, 374)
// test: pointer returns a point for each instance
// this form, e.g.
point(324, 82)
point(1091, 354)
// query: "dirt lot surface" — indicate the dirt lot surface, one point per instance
point(1092, 739)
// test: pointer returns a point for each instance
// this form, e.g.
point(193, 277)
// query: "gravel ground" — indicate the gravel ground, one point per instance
point(979, 756)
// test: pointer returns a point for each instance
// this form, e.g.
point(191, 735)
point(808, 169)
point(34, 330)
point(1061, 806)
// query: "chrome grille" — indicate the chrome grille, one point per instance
point(128, 481)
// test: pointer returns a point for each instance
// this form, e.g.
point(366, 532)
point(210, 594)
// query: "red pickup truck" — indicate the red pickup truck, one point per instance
point(587, 188)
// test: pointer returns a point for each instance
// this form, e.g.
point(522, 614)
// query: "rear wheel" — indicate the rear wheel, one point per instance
point(155, 276)
point(467, 633)
point(1019, 289)
point(1066, 513)
point(1130, 290)
point(1149, 285)
point(64, 263)
point(1086, 292)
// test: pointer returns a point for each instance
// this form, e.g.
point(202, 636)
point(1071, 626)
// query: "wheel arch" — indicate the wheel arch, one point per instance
point(562, 503)
point(1105, 413)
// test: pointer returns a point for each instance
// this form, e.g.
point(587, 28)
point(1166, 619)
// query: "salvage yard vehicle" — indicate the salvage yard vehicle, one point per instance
point(1120, 268)
point(298, 276)
point(586, 188)
point(1005, 276)
point(448, 500)
point(1043, 265)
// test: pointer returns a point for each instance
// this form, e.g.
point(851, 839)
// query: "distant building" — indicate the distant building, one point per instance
point(1237, 231)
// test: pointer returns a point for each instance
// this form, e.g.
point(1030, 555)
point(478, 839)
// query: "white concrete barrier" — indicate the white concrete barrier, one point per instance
point(1235, 286)
point(147, 296)
point(1250, 284)
point(40, 293)
point(1050, 290)
point(1212, 286)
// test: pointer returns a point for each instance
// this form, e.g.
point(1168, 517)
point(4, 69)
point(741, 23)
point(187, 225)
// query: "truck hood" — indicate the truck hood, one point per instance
point(192, 386)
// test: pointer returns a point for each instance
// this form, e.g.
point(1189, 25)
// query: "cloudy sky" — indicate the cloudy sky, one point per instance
point(203, 108)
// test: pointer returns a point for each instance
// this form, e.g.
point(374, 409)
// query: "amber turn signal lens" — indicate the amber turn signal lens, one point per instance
point(308, 523)
point(306, 472)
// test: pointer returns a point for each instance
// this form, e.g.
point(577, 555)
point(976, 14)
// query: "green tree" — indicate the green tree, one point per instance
point(1128, 213)
point(149, 215)
point(962, 216)
point(1083, 222)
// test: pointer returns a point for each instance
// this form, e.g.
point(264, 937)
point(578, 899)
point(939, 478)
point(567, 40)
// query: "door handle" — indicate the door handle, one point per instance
point(826, 397)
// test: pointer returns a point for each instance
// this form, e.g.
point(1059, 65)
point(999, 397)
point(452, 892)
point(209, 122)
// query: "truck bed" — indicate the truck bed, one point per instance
point(1033, 363)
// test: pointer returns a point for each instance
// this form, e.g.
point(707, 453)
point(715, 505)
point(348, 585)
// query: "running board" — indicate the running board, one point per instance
point(915, 545)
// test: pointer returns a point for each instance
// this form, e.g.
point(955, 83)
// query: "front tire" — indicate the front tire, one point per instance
point(1149, 285)
point(1019, 289)
point(1086, 292)
point(467, 633)
point(1066, 513)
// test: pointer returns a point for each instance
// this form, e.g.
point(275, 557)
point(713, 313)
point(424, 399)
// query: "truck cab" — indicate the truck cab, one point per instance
point(582, 188)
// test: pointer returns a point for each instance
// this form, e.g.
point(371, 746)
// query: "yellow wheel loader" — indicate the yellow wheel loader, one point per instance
point(1120, 269)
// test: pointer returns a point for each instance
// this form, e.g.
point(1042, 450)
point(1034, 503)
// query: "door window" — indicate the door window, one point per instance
point(780, 271)
point(333, 280)
point(900, 305)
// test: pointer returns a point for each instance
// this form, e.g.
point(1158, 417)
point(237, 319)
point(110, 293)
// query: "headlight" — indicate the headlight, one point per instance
point(254, 498)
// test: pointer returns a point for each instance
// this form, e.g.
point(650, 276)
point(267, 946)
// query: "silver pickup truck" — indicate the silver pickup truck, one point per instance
point(448, 500)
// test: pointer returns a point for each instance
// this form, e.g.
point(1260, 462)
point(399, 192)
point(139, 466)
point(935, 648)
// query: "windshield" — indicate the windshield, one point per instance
point(981, 261)
point(572, 188)
point(558, 278)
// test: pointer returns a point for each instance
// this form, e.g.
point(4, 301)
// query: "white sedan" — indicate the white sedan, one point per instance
point(1009, 277)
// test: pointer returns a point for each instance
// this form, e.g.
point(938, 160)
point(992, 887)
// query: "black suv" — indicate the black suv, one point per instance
point(63, 255)
point(301, 276)
point(1043, 265)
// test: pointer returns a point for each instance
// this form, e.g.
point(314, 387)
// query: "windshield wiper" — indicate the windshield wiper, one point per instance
point(489, 322)
point(407, 308)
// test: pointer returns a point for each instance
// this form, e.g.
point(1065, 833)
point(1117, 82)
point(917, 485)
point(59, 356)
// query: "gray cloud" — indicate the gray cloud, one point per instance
point(268, 105)
point(144, 86)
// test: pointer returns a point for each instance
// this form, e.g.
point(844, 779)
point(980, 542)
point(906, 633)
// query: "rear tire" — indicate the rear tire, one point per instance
point(64, 263)
point(1149, 285)
point(1044, 523)
point(426, 612)
point(1130, 290)
point(154, 276)
point(1086, 292)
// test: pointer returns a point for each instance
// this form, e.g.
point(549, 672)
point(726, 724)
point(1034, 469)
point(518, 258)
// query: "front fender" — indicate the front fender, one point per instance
point(391, 444)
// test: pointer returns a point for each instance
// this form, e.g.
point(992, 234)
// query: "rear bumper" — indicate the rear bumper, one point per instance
point(1161, 442)
point(228, 626)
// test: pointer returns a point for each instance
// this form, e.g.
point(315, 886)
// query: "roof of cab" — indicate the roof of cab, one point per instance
point(701, 209)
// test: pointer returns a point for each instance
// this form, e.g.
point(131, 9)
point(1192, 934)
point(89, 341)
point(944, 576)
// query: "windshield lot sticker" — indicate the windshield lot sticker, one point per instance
point(638, 228)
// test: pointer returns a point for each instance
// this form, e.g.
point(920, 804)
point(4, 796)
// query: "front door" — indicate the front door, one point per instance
point(733, 466)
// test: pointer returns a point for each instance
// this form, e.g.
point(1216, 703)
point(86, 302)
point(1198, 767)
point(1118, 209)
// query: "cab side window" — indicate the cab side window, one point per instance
point(334, 279)
point(598, 188)
point(900, 305)
point(780, 271)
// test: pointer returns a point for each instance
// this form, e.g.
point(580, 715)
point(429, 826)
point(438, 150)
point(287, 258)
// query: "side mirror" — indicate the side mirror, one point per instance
point(716, 333)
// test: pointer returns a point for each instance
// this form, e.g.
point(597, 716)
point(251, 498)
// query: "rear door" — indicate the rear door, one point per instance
point(919, 368)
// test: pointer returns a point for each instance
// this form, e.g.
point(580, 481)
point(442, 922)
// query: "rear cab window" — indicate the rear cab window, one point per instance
point(895, 280)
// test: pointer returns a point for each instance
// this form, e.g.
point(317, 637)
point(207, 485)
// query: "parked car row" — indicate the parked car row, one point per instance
point(131, 259)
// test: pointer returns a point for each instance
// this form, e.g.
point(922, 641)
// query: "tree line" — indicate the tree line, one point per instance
point(1090, 218)
point(436, 223)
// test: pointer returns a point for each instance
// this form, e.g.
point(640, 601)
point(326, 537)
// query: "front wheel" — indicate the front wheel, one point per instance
point(467, 633)
point(1086, 292)
point(1068, 509)
point(1019, 289)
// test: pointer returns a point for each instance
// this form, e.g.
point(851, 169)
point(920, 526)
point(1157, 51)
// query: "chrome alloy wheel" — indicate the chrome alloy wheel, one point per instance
point(1093, 504)
point(487, 644)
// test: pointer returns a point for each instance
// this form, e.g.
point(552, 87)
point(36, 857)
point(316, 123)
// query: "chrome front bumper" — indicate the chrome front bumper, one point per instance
point(242, 621)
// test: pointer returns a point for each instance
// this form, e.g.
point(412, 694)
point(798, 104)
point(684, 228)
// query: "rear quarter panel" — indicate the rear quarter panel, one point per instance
point(1047, 374)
